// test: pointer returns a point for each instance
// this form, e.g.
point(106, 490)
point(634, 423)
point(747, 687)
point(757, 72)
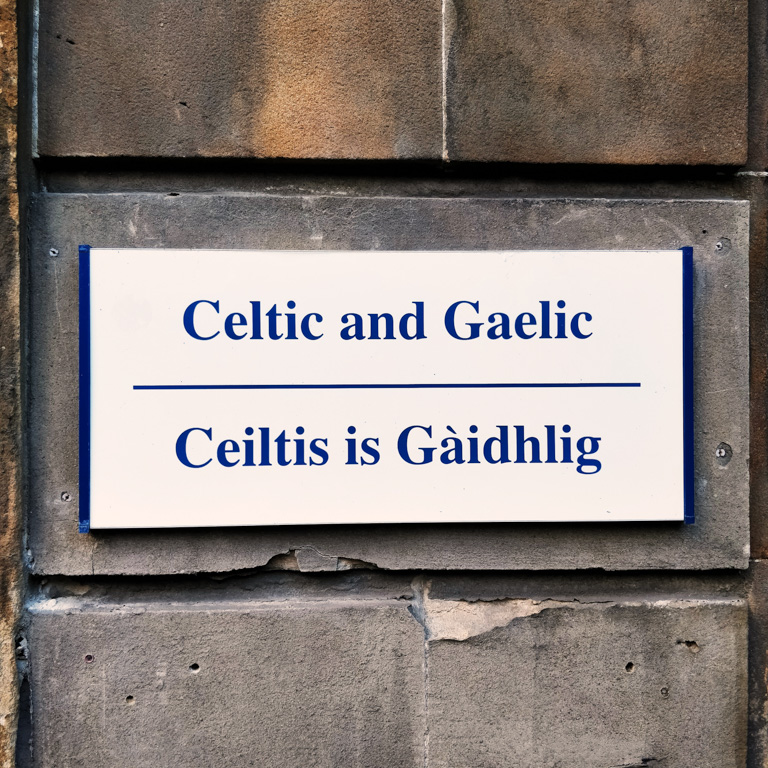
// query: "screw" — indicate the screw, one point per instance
point(665, 692)
point(89, 658)
point(723, 245)
point(66, 497)
point(53, 252)
point(723, 454)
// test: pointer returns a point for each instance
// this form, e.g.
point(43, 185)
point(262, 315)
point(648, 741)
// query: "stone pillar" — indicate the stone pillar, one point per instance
point(10, 385)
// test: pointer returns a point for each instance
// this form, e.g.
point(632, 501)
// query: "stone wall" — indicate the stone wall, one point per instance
point(445, 124)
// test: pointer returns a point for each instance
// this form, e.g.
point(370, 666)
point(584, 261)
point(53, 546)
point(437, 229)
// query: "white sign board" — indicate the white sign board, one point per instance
point(234, 388)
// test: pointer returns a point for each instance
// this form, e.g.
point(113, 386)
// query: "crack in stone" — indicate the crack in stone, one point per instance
point(309, 559)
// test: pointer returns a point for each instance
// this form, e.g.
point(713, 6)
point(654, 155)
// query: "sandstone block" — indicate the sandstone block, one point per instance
point(598, 81)
point(239, 684)
point(532, 683)
point(271, 78)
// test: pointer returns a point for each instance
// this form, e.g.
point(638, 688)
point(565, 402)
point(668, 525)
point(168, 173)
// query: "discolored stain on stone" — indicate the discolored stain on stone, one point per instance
point(271, 78)
point(329, 86)
point(598, 81)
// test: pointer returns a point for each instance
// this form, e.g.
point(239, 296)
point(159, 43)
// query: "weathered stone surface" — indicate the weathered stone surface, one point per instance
point(276, 670)
point(716, 229)
point(271, 78)
point(227, 684)
point(758, 664)
point(758, 76)
point(532, 683)
point(10, 386)
point(598, 81)
point(758, 328)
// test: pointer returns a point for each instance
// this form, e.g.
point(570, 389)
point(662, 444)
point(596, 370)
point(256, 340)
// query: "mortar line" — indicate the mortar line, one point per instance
point(426, 699)
point(444, 77)
point(35, 117)
point(420, 597)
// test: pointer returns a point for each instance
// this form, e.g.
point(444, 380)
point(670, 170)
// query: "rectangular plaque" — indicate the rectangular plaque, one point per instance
point(232, 388)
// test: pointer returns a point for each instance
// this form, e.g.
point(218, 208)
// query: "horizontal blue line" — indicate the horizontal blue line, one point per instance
point(543, 385)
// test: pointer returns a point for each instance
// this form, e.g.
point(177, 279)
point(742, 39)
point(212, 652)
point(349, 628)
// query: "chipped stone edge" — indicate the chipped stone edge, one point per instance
point(460, 620)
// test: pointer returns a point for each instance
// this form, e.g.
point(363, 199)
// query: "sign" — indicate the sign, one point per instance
point(234, 388)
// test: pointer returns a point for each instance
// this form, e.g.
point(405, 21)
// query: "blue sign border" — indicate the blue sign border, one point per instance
point(84, 399)
point(689, 487)
point(84, 461)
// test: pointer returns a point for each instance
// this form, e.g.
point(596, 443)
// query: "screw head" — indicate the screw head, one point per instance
point(723, 245)
point(53, 252)
point(66, 496)
point(723, 454)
